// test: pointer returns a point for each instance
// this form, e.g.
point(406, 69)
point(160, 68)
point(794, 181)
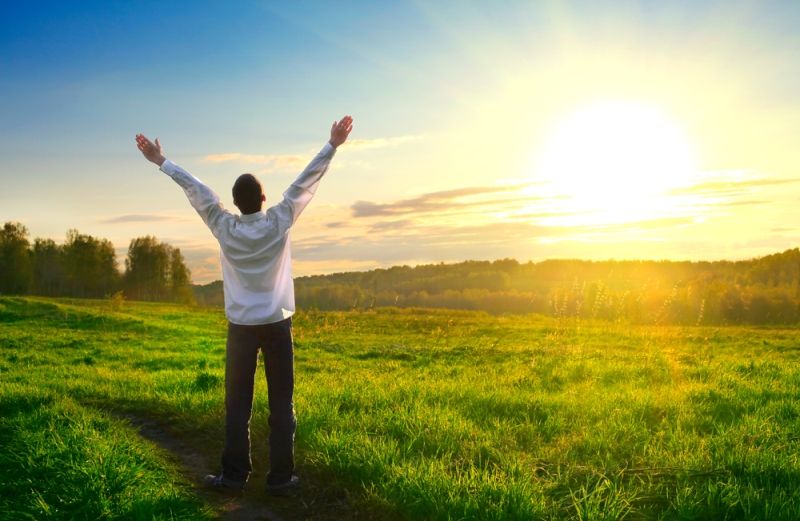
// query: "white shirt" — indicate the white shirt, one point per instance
point(254, 248)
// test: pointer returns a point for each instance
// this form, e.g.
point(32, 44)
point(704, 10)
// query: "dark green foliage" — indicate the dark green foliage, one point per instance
point(210, 294)
point(156, 271)
point(759, 291)
point(180, 278)
point(89, 266)
point(86, 267)
point(206, 381)
point(15, 262)
point(48, 274)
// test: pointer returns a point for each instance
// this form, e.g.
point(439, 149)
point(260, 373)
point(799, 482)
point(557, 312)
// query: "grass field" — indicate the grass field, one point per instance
point(402, 414)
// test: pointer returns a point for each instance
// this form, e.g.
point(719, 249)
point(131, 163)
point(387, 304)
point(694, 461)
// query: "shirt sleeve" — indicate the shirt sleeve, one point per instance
point(200, 196)
point(302, 190)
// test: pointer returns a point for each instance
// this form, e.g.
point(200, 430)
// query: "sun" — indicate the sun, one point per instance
point(615, 161)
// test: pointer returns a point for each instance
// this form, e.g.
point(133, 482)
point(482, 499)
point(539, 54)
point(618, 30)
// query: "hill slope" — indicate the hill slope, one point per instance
point(765, 290)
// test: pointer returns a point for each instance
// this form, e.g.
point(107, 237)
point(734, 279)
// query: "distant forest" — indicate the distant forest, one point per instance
point(86, 266)
point(764, 290)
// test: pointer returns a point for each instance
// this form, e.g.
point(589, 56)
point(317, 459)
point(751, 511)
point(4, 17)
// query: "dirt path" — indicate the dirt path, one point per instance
point(319, 499)
point(230, 507)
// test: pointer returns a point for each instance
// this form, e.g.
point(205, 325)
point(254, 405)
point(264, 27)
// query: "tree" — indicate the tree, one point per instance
point(89, 266)
point(48, 274)
point(180, 278)
point(15, 261)
point(156, 271)
point(147, 269)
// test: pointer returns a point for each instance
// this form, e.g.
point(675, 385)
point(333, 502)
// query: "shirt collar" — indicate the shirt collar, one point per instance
point(251, 217)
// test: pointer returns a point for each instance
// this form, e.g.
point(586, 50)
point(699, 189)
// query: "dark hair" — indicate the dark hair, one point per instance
point(247, 194)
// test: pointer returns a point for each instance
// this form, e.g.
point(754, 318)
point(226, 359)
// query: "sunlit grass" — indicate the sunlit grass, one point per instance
point(64, 461)
point(435, 414)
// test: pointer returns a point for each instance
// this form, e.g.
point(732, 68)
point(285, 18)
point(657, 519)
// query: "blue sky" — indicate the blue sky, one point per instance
point(451, 99)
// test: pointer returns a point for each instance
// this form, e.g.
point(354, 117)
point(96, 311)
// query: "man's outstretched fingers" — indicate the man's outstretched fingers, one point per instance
point(152, 152)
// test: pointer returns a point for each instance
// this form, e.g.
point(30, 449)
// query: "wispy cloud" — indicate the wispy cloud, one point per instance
point(749, 202)
point(294, 160)
point(381, 142)
point(731, 187)
point(270, 160)
point(433, 202)
point(140, 218)
point(401, 224)
point(407, 241)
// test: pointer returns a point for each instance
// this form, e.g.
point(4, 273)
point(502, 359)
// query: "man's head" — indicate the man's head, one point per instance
point(247, 194)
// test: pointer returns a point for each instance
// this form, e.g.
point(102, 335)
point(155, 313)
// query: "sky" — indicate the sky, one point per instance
point(483, 130)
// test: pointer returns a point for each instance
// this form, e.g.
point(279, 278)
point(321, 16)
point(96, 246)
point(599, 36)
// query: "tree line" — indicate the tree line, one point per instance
point(85, 266)
point(763, 290)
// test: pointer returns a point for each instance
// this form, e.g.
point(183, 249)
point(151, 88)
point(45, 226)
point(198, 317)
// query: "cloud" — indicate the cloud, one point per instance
point(402, 224)
point(140, 218)
point(742, 203)
point(426, 243)
point(293, 160)
point(433, 202)
point(271, 160)
point(365, 144)
point(730, 187)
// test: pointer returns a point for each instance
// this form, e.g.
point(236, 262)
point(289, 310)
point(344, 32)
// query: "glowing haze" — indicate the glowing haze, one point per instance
point(482, 130)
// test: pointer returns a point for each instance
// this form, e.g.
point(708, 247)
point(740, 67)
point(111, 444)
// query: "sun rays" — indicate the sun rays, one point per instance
point(615, 161)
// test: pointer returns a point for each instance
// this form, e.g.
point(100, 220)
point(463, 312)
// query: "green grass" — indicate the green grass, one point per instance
point(64, 461)
point(413, 414)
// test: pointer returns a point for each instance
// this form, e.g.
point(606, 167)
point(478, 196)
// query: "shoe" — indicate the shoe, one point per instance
point(220, 482)
point(290, 488)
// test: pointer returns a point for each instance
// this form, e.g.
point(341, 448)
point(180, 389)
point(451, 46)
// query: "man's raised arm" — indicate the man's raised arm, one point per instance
point(201, 197)
point(299, 194)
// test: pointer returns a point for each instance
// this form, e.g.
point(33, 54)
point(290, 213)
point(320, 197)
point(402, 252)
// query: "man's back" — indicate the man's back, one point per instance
point(255, 251)
point(257, 271)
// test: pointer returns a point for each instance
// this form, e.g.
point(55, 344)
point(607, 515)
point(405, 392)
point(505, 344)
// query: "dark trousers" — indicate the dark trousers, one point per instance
point(244, 342)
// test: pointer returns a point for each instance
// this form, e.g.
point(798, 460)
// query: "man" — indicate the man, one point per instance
point(259, 303)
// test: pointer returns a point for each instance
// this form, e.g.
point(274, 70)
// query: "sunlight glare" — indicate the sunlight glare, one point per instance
point(615, 161)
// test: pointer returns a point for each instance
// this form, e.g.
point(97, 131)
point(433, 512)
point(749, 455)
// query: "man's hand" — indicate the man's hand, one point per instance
point(153, 152)
point(340, 130)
